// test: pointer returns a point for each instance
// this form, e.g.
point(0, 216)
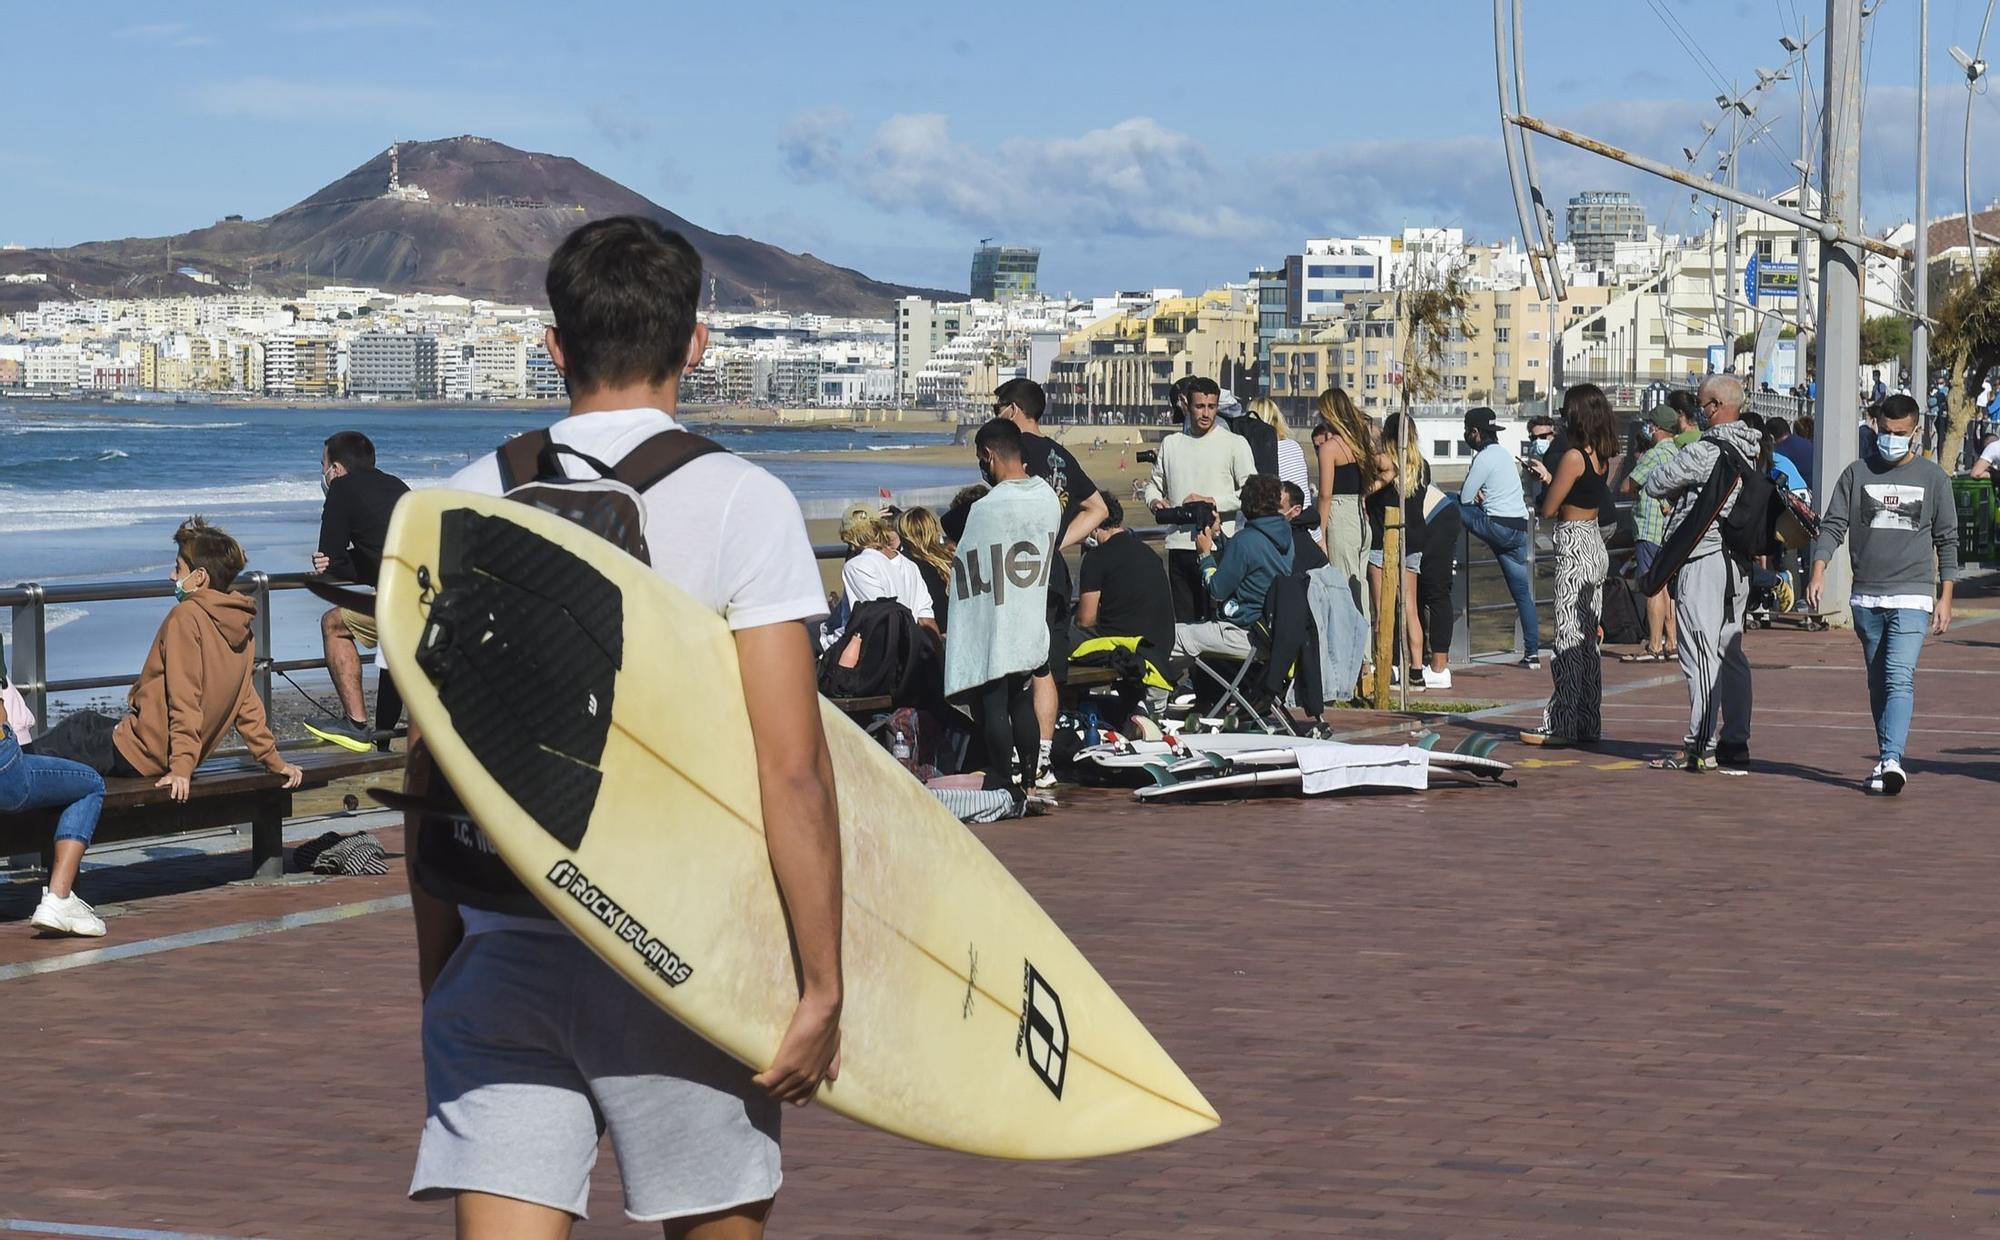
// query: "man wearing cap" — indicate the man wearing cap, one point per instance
point(1495, 511)
point(1649, 524)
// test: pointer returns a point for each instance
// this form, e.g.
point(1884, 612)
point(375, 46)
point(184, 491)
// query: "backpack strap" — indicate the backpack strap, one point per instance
point(652, 461)
point(521, 458)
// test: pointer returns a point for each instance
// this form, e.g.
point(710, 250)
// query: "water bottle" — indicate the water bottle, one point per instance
point(901, 749)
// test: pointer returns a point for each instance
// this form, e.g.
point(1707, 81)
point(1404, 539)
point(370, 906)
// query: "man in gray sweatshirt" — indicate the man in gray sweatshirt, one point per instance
point(1712, 591)
point(1894, 509)
point(1206, 464)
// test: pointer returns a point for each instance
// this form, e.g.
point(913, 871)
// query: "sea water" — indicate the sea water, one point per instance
point(94, 492)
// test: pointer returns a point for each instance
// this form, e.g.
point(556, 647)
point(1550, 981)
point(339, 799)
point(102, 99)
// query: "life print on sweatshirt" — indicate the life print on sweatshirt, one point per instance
point(1894, 506)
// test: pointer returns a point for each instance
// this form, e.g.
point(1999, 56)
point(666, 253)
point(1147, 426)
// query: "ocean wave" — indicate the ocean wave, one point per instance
point(52, 619)
point(890, 447)
point(81, 428)
point(28, 512)
point(109, 454)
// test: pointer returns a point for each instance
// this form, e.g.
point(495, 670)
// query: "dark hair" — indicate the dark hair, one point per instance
point(350, 450)
point(1025, 395)
point(1752, 419)
point(1262, 496)
point(1778, 427)
point(1202, 386)
point(1294, 493)
point(1682, 401)
point(201, 545)
point(967, 497)
point(1542, 419)
point(1001, 438)
point(623, 291)
point(1803, 428)
point(1899, 407)
point(1114, 512)
point(1588, 419)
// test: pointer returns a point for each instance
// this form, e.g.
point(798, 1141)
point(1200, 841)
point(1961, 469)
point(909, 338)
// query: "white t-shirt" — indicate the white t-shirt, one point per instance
point(719, 527)
point(873, 574)
point(1992, 455)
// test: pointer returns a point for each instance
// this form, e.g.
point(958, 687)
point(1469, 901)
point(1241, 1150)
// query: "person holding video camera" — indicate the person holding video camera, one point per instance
point(1197, 477)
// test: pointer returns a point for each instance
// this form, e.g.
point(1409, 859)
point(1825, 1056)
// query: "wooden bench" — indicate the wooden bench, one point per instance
point(225, 792)
point(1078, 678)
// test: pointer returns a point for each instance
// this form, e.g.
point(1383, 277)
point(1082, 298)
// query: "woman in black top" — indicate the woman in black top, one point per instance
point(924, 544)
point(1576, 496)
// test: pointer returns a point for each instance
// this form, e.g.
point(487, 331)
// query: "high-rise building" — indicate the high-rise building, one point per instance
point(1000, 272)
point(1598, 220)
point(387, 364)
point(922, 328)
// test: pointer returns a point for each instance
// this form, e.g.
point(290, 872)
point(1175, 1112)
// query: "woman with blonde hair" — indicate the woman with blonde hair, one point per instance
point(1345, 443)
point(877, 569)
point(1291, 457)
point(924, 545)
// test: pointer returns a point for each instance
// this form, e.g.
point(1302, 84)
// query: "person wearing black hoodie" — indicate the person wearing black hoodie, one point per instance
point(1240, 576)
point(353, 527)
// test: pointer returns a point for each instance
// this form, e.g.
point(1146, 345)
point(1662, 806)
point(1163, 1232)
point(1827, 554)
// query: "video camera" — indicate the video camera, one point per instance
point(1147, 456)
point(1198, 513)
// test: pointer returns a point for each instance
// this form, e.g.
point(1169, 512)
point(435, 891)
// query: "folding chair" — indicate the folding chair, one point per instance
point(1253, 675)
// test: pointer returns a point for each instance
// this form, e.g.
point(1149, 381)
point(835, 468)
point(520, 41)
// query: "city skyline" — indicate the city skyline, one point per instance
point(892, 144)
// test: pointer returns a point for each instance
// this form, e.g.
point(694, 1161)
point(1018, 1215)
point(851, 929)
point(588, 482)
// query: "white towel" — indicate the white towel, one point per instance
point(1333, 767)
point(1000, 585)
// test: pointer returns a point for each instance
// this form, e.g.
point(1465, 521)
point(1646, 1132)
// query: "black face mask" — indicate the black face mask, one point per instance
point(986, 474)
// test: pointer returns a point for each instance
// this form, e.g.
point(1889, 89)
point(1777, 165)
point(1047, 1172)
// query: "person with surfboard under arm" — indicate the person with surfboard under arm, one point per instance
point(533, 1046)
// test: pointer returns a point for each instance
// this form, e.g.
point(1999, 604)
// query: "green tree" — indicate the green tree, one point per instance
point(1968, 340)
point(1885, 338)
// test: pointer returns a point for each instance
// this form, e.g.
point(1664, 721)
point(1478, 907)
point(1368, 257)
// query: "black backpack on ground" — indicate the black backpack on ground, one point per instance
point(451, 857)
point(1624, 620)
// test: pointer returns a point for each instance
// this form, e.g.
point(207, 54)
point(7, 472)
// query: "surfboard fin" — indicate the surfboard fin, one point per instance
point(1478, 745)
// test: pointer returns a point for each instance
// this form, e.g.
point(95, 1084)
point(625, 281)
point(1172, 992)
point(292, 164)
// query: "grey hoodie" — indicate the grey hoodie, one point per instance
point(1681, 478)
point(1900, 523)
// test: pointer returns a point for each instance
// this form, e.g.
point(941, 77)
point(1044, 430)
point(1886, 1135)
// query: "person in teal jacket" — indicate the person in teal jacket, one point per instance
point(1240, 575)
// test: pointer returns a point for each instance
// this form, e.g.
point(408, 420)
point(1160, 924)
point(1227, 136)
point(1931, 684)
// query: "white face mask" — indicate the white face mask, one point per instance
point(1892, 447)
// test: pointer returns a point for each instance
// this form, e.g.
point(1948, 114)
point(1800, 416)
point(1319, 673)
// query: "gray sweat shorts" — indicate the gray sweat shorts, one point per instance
point(534, 1049)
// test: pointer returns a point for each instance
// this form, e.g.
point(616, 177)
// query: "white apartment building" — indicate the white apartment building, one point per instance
point(499, 367)
point(922, 328)
point(51, 368)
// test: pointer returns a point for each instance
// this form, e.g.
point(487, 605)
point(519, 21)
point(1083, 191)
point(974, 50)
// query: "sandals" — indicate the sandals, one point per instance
point(1546, 740)
point(1661, 655)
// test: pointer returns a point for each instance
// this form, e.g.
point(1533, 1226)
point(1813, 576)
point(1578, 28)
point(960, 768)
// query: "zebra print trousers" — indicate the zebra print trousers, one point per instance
point(1581, 561)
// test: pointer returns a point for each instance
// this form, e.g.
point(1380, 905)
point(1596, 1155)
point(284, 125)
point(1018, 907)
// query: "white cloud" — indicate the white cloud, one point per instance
point(1134, 178)
point(171, 34)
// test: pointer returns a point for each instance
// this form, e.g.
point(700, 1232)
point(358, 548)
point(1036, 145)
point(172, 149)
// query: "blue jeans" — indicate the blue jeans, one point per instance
point(1891, 639)
point(29, 781)
point(1510, 546)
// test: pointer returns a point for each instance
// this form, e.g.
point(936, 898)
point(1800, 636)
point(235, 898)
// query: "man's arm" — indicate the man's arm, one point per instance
point(1981, 467)
point(1832, 532)
point(1686, 469)
point(1225, 572)
point(1476, 477)
point(439, 927)
point(255, 729)
point(1086, 608)
point(335, 522)
point(1242, 465)
point(1944, 536)
point(1091, 515)
point(1156, 484)
point(183, 701)
point(802, 832)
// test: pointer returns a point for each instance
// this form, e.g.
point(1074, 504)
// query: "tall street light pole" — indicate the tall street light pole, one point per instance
point(1836, 432)
point(1920, 327)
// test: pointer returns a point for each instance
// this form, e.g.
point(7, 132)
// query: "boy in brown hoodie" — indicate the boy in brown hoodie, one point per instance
point(195, 685)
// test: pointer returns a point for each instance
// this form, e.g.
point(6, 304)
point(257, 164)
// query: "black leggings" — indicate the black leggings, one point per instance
point(1443, 531)
point(1004, 710)
point(85, 737)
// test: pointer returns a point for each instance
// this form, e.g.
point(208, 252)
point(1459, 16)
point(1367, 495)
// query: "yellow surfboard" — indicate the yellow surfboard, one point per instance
point(594, 725)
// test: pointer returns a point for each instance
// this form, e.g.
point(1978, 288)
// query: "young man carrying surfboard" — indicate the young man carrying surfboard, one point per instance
point(532, 1045)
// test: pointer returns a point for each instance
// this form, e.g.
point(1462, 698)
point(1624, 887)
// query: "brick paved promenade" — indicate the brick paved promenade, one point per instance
point(1611, 1002)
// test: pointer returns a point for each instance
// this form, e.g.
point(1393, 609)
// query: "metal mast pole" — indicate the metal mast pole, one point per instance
point(1920, 328)
point(1805, 183)
point(1835, 433)
point(1729, 282)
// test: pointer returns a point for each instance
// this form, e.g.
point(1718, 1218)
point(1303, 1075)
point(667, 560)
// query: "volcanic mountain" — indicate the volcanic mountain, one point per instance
point(464, 215)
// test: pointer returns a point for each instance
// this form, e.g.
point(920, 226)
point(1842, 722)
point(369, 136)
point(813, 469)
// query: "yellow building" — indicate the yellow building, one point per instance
point(1126, 364)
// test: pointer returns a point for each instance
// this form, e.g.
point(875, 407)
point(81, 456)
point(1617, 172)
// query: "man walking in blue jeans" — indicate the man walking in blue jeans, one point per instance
point(1895, 511)
point(1495, 511)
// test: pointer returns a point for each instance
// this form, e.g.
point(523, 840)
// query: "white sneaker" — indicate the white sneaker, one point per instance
point(1047, 779)
point(1437, 680)
point(1893, 777)
point(1873, 784)
point(67, 915)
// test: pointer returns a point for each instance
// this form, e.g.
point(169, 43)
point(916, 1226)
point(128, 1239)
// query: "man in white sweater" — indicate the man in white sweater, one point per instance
point(1203, 464)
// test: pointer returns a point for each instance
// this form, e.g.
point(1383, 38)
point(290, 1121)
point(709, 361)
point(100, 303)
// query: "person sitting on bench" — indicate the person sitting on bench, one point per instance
point(1122, 593)
point(195, 685)
point(353, 527)
point(30, 781)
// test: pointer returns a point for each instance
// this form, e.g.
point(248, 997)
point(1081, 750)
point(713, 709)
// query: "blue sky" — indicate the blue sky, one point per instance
point(1137, 144)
